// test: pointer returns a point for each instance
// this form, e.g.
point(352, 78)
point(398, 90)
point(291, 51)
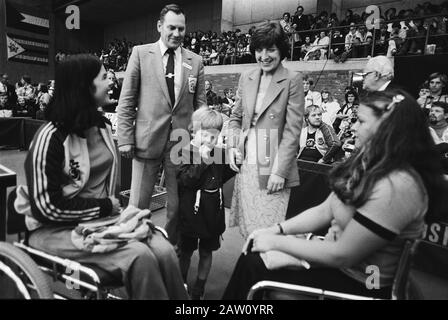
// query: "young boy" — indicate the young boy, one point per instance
point(202, 173)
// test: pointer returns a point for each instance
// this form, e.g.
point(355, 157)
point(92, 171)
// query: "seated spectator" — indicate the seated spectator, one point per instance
point(337, 45)
point(286, 23)
point(378, 74)
point(51, 88)
point(230, 55)
point(438, 116)
point(210, 94)
point(424, 98)
point(348, 20)
point(330, 107)
point(397, 38)
point(81, 187)
point(345, 116)
point(318, 141)
point(333, 21)
point(390, 14)
point(382, 40)
point(319, 48)
point(311, 97)
point(361, 46)
point(306, 47)
point(26, 90)
point(6, 87)
point(23, 109)
point(44, 101)
point(205, 56)
point(350, 40)
point(415, 38)
point(438, 86)
point(228, 97)
point(381, 197)
point(5, 107)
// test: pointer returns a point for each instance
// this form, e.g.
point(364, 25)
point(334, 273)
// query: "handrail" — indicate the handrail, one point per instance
point(373, 31)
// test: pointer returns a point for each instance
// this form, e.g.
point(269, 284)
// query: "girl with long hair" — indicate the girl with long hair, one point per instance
point(380, 199)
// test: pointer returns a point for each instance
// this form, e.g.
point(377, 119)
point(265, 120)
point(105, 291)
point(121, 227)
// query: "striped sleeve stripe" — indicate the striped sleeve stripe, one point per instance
point(43, 183)
point(40, 181)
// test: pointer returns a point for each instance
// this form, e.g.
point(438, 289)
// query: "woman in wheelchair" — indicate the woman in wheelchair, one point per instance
point(71, 171)
point(380, 198)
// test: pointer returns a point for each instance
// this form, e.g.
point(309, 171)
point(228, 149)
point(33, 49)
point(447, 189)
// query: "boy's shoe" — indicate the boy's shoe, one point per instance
point(197, 296)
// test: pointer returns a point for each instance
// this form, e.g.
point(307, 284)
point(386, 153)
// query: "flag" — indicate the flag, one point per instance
point(22, 21)
point(27, 50)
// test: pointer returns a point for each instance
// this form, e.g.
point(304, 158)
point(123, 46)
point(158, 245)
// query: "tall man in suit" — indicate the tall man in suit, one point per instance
point(163, 85)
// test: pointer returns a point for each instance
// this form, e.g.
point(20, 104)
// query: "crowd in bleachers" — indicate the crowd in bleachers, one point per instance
point(24, 99)
point(401, 32)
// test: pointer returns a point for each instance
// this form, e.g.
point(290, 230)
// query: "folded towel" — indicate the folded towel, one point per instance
point(107, 234)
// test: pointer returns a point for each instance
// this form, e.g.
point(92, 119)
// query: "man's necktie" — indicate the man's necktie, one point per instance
point(169, 75)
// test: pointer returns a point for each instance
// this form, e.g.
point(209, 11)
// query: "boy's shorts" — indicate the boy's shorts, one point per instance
point(189, 244)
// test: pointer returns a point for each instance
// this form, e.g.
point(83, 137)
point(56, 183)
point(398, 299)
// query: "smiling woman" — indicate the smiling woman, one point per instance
point(270, 115)
point(71, 172)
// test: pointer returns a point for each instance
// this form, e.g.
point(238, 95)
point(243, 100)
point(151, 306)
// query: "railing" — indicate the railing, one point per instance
point(329, 32)
point(244, 56)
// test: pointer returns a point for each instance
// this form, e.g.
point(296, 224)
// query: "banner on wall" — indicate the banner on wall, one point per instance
point(23, 21)
point(27, 50)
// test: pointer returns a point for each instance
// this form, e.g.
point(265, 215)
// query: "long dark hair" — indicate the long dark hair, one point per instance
point(401, 142)
point(74, 107)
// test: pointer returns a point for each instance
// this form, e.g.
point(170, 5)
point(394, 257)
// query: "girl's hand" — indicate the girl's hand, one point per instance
point(274, 230)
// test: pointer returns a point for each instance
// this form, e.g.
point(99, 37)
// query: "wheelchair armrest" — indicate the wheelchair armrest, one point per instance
point(296, 290)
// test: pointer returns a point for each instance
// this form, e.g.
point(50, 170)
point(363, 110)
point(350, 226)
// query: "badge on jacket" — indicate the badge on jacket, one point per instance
point(320, 141)
point(192, 82)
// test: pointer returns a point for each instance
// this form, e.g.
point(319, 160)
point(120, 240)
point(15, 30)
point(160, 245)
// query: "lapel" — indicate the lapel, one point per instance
point(275, 87)
point(184, 73)
point(154, 50)
point(252, 89)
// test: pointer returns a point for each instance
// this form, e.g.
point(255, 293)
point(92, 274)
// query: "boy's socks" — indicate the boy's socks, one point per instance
point(198, 290)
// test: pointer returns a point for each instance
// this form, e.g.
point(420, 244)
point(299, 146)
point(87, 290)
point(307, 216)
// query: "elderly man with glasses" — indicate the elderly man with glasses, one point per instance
point(378, 74)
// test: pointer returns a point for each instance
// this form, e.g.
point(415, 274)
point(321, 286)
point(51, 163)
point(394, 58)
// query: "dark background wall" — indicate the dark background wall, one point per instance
point(90, 36)
point(202, 15)
point(15, 70)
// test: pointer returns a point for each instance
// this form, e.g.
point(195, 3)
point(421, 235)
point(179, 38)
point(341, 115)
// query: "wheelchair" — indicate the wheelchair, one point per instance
point(33, 274)
point(422, 274)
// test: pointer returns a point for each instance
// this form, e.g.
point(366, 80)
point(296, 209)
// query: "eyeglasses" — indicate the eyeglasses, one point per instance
point(367, 73)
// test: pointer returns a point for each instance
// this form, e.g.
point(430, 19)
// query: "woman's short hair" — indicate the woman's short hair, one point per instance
point(310, 109)
point(268, 35)
point(443, 78)
point(351, 92)
point(74, 107)
point(205, 118)
point(27, 79)
point(402, 141)
point(308, 79)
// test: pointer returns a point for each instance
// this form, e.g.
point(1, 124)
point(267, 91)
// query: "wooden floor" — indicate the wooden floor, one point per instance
point(223, 260)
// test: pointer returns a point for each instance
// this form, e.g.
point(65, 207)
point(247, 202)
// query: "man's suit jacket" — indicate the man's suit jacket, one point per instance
point(280, 121)
point(145, 113)
point(302, 22)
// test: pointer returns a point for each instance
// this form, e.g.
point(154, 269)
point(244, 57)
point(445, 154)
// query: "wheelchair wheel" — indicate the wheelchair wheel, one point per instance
point(20, 277)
